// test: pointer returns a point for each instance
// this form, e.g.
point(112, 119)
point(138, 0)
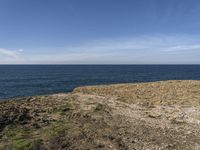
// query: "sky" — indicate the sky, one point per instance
point(99, 31)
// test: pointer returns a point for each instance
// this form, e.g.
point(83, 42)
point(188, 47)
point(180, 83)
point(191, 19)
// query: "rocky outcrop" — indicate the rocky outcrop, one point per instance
point(157, 115)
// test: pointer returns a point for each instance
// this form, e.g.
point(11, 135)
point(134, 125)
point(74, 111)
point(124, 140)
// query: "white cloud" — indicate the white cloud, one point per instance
point(138, 45)
point(20, 50)
point(8, 53)
point(143, 49)
point(8, 56)
point(183, 48)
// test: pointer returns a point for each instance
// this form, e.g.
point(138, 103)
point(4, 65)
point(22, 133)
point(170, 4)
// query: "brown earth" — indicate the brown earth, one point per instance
point(156, 116)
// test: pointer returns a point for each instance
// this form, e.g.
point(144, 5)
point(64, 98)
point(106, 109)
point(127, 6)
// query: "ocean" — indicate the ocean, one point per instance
point(29, 80)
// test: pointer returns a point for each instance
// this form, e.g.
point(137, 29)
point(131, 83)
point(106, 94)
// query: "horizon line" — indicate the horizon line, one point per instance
point(103, 64)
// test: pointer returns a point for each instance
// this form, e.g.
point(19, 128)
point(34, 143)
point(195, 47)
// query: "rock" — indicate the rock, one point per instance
point(154, 115)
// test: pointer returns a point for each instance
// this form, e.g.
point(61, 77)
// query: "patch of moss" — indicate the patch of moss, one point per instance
point(21, 144)
point(54, 130)
point(17, 136)
point(16, 133)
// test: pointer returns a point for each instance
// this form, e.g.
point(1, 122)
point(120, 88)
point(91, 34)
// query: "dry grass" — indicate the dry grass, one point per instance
point(153, 93)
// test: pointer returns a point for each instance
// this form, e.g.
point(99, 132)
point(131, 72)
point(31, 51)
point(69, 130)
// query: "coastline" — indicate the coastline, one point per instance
point(153, 115)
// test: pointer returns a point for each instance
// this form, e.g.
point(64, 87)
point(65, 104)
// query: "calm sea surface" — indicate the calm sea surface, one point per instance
point(27, 80)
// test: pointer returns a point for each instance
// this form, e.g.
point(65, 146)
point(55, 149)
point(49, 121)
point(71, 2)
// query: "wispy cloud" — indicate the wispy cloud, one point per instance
point(8, 53)
point(182, 47)
point(143, 49)
point(152, 44)
point(8, 56)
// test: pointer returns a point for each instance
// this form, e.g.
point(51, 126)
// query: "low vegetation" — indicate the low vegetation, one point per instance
point(157, 115)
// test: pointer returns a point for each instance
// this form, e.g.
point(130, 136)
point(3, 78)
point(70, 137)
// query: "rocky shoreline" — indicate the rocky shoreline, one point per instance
point(157, 115)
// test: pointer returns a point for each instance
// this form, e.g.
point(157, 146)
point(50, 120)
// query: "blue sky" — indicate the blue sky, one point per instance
point(99, 32)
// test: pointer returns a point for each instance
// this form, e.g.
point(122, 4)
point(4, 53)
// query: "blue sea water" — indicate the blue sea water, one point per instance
point(28, 80)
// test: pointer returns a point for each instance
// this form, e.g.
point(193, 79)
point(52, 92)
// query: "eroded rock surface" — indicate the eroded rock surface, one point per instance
point(158, 115)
